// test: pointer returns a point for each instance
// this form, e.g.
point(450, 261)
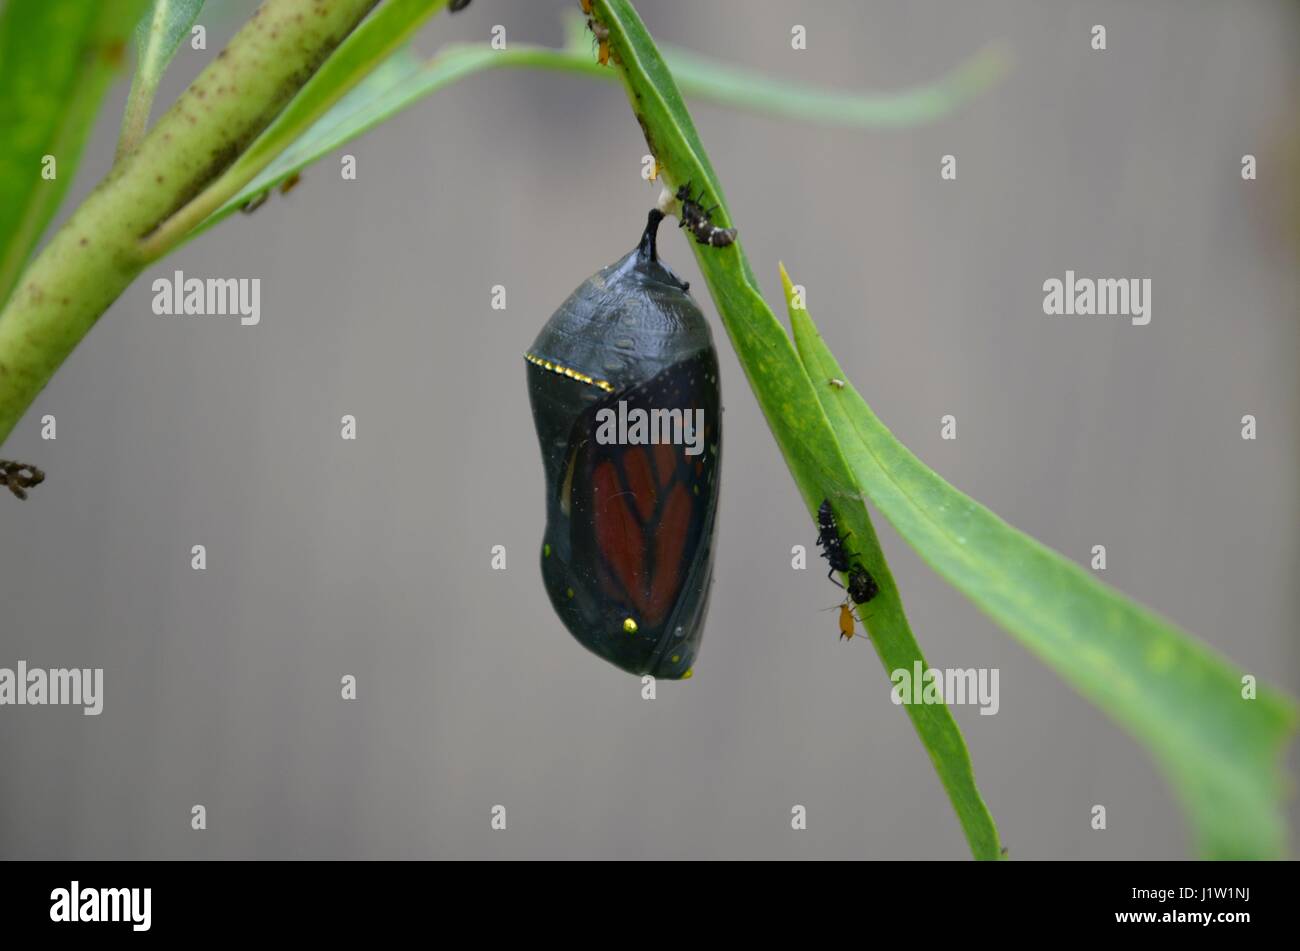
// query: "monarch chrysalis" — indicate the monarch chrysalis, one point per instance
point(627, 557)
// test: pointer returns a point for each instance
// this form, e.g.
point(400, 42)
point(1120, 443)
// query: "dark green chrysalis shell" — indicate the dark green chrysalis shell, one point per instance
point(627, 557)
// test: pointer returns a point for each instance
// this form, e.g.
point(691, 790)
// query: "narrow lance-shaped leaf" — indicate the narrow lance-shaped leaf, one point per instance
point(157, 37)
point(56, 60)
point(377, 37)
point(1220, 745)
point(769, 95)
point(789, 402)
point(403, 79)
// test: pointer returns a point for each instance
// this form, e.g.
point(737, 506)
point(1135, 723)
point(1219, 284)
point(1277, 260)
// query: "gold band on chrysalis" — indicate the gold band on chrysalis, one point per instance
point(570, 373)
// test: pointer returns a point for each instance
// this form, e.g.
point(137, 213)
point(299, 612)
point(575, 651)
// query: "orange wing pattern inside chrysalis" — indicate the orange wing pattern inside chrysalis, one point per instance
point(669, 542)
point(645, 562)
point(641, 483)
point(617, 533)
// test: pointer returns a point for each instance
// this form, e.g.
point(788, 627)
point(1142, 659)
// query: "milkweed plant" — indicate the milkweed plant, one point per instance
point(291, 87)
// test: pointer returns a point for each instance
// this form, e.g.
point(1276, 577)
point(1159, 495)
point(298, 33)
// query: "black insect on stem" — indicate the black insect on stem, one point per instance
point(699, 220)
point(830, 542)
point(18, 477)
point(862, 587)
point(457, 5)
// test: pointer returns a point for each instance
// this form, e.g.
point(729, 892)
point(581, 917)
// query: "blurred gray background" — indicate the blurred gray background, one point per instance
point(371, 558)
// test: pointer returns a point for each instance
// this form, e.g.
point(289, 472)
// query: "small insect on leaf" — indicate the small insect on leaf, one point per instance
point(18, 477)
point(600, 35)
point(847, 627)
point(256, 202)
point(862, 587)
point(847, 619)
point(699, 220)
point(830, 542)
point(290, 183)
point(838, 384)
point(457, 5)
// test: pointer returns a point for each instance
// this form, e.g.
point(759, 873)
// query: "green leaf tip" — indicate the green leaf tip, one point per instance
point(1220, 749)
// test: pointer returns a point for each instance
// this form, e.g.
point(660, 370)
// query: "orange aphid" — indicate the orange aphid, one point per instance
point(847, 628)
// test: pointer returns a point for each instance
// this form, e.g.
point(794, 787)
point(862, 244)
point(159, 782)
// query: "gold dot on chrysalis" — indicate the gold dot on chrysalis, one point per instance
point(569, 592)
point(629, 625)
point(676, 658)
point(546, 550)
point(689, 674)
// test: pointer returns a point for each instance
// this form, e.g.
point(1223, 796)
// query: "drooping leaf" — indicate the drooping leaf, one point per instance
point(1221, 751)
point(749, 89)
point(377, 38)
point(403, 80)
point(366, 48)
